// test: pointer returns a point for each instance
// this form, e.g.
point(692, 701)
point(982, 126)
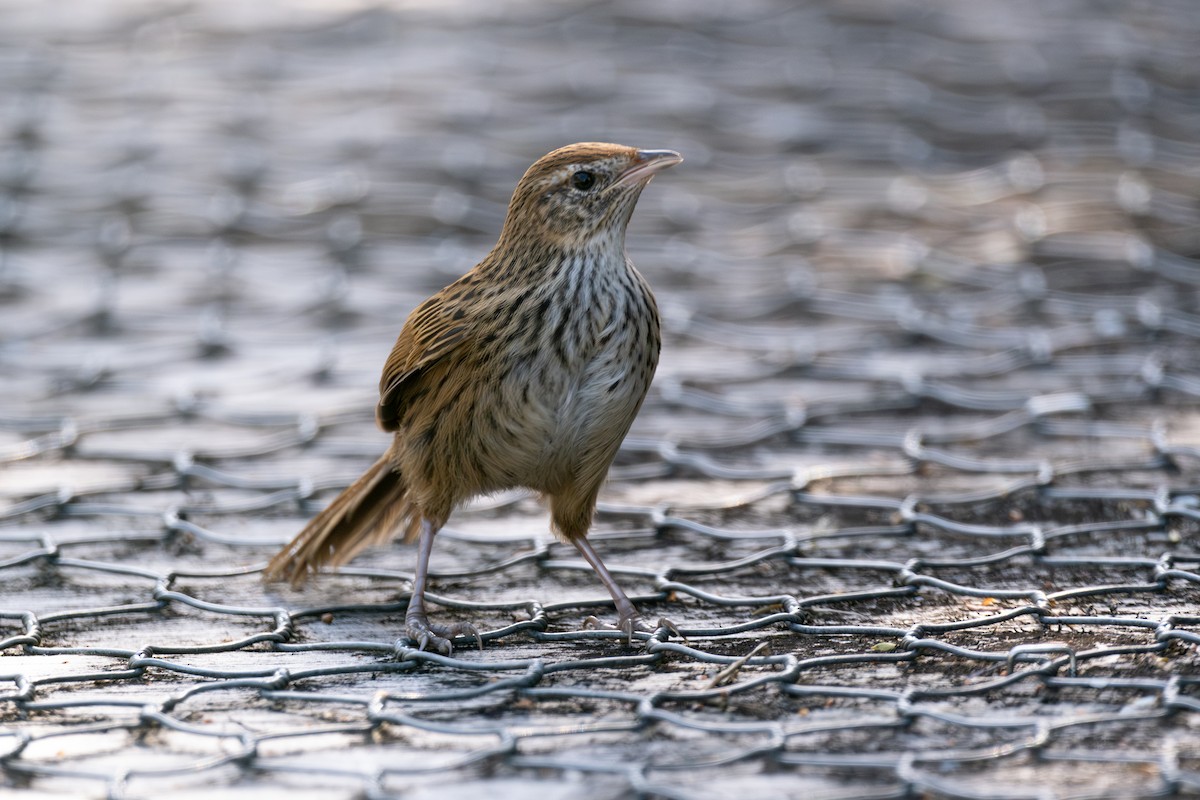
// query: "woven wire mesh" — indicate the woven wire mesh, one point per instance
point(917, 479)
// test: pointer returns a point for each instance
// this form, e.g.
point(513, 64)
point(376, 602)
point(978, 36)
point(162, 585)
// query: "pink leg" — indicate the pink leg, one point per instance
point(416, 621)
point(628, 617)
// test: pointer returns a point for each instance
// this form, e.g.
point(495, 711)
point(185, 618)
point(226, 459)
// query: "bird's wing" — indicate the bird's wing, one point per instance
point(435, 329)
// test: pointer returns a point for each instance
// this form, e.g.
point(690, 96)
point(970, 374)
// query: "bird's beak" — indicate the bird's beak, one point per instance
point(646, 164)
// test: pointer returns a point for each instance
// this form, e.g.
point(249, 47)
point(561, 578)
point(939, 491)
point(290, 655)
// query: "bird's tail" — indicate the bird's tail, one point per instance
point(368, 512)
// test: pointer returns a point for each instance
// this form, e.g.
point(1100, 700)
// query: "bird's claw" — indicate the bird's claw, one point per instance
point(630, 623)
point(663, 622)
point(438, 638)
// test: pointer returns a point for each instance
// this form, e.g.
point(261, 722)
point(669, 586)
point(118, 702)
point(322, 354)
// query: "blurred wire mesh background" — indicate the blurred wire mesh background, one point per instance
point(917, 479)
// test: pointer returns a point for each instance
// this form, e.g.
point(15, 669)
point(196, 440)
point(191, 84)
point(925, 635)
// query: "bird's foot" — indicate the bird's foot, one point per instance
point(437, 638)
point(628, 623)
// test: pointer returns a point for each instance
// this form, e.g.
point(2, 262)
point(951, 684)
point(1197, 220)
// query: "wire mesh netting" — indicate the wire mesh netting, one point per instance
point(916, 482)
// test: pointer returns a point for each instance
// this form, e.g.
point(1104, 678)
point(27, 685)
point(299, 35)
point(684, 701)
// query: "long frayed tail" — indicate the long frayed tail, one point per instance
point(368, 512)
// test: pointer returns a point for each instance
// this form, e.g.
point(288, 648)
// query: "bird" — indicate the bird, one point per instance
point(526, 372)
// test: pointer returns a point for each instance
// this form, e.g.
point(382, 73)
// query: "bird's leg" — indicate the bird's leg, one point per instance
point(416, 621)
point(628, 618)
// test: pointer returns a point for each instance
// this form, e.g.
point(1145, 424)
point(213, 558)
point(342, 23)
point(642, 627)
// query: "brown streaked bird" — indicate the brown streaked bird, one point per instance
point(525, 372)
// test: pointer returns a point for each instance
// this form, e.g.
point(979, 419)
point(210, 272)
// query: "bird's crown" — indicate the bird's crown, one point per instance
point(574, 194)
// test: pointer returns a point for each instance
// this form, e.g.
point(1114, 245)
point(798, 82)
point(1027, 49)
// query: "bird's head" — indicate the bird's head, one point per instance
point(581, 193)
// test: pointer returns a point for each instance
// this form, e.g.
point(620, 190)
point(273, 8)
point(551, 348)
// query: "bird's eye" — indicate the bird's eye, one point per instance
point(583, 180)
